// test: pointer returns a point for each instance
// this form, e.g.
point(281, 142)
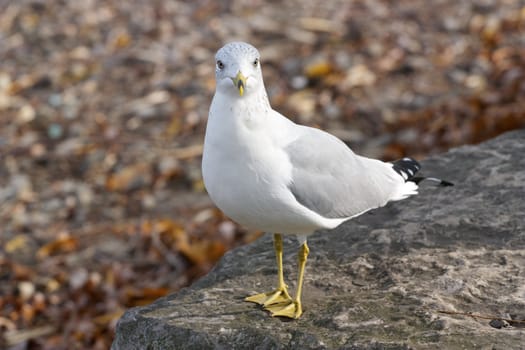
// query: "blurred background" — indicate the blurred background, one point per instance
point(103, 106)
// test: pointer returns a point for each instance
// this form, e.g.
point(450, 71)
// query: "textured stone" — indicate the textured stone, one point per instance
point(380, 281)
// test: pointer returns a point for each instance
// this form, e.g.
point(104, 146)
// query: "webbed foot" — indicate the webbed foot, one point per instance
point(277, 296)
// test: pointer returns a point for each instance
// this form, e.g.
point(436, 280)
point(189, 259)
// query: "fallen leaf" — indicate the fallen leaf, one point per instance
point(318, 69)
point(63, 244)
point(17, 336)
point(108, 317)
point(132, 177)
point(144, 296)
point(18, 242)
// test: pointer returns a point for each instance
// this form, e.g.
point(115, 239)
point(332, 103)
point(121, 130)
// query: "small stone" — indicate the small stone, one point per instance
point(26, 289)
point(26, 114)
point(79, 71)
point(85, 194)
point(5, 81)
point(452, 24)
point(134, 123)
point(359, 75)
point(303, 102)
point(55, 131)
point(168, 166)
point(95, 278)
point(55, 100)
point(227, 230)
point(80, 53)
point(68, 146)
point(37, 150)
point(78, 278)
point(476, 82)
point(332, 111)
point(148, 201)
point(158, 97)
point(299, 82)
point(497, 323)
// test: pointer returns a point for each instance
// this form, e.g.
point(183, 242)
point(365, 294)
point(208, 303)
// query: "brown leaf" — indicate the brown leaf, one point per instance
point(122, 40)
point(174, 127)
point(7, 324)
point(18, 242)
point(108, 317)
point(144, 296)
point(130, 178)
point(318, 69)
point(17, 336)
point(63, 244)
point(28, 313)
point(201, 252)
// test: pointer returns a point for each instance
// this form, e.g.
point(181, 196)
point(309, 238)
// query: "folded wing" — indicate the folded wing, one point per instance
point(329, 179)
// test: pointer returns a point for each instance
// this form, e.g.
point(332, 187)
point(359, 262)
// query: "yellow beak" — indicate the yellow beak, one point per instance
point(240, 82)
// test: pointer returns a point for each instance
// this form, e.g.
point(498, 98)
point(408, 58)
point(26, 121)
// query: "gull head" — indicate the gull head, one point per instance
point(238, 69)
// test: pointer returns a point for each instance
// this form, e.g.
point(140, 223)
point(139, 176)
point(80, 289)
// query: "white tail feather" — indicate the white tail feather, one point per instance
point(405, 190)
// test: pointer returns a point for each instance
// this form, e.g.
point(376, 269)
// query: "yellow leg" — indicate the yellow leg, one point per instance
point(280, 294)
point(293, 308)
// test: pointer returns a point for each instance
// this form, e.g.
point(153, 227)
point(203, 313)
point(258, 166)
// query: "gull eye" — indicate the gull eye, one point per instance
point(220, 65)
point(256, 62)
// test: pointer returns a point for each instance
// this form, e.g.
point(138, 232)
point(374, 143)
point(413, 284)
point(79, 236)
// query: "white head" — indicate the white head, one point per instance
point(238, 70)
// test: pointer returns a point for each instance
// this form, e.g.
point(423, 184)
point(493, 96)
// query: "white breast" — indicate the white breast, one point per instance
point(247, 175)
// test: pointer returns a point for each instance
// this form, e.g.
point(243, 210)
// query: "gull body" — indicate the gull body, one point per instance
point(271, 174)
point(248, 167)
point(250, 144)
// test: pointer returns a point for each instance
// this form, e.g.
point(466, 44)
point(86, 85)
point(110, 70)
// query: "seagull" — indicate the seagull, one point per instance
point(270, 174)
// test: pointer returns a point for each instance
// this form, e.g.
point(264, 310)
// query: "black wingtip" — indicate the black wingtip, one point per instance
point(407, 168)
point(440, 182)
point(445, 183)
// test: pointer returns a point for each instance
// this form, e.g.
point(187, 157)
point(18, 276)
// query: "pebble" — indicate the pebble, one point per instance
point(299, 82)
point(359, 75)
point(26, 289)
point(26, 114)
point(227, 230)
point(55, 100)
point(78, 278)
point(497, 323)
point(55, 131)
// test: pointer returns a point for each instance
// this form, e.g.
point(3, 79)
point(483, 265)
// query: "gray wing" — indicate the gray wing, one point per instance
point(328, 178)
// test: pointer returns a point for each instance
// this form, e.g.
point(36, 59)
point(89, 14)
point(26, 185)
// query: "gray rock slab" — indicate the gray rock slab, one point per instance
point(405, 276)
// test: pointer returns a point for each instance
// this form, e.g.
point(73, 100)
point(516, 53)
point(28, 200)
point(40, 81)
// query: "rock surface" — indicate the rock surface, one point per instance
point(400, 277)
